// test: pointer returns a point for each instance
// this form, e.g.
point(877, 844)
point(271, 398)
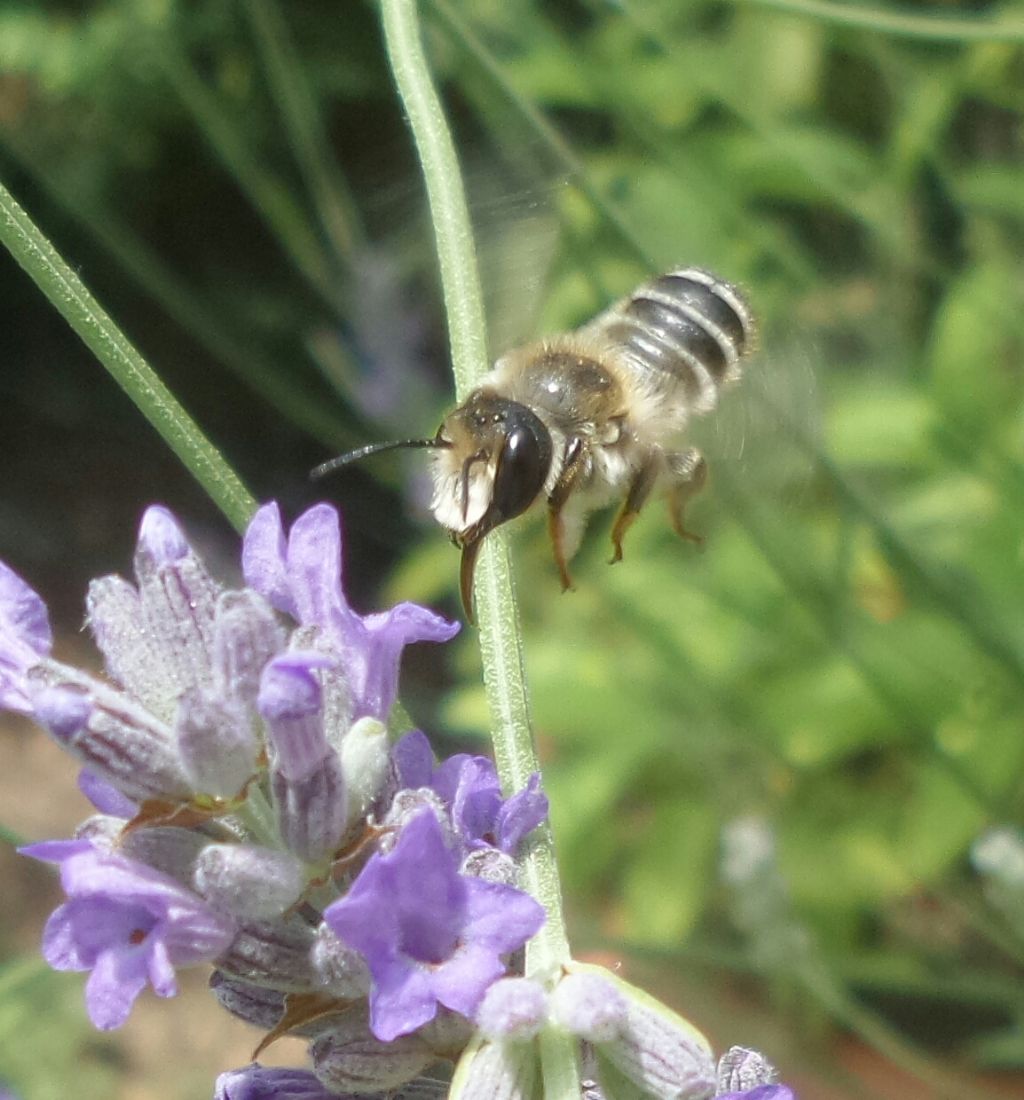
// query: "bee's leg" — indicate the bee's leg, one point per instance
point(639, 491)
point(575, 464)
point(689, 473)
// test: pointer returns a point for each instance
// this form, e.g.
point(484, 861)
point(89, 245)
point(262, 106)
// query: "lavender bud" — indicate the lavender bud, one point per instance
point(133, 656)
point(120, 741)
point(348, 1058)
point(272, 953)
point(306, 777)
point(166, 849)
point(512, 1008)
point(247, 881)
point(63, 711)
point(447, 1034)
point(741, 1069)
point(588, 1005)
point(216, 742)
point(364, 763)
point(340, 969)
point(502, 1071)
point(246, 635)
point(161, 540)
point(256, 1004)
point(658, 1051)
point(178, 599)
point(311, 811)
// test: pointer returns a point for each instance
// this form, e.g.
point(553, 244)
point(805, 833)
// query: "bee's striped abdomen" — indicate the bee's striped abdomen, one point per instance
point(687, 325)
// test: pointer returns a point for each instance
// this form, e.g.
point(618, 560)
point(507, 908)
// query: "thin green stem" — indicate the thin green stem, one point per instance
point(456, 251)
point(500, 635)
point(905, 24)
point(131, 372)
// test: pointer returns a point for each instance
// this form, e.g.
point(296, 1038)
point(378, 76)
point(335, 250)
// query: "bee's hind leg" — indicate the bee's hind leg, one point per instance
point(572, 469)
point(689, 473)
point(639, 491)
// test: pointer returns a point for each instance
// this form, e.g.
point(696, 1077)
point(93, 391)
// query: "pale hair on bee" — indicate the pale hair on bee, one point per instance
point(584, 418)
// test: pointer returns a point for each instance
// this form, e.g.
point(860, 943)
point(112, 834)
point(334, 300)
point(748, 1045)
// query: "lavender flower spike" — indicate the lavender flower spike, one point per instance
point(429, 935)
point(303, 578)
point(126, 923)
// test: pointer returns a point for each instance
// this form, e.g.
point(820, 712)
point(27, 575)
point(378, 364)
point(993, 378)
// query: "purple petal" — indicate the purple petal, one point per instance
point(270, 1083)
point(288, 688)
point(105, 796)
point(113, 986)
point(413, 760)
point(23, 616)
point(55, 851)
point(501, 918)
point(520, 815)
point(160, 970)
point(477, 798)
point(314, 565)
point(402, 1000)
point(25, 637)
point(376, 650)
point(264, 559)
point(461, 982)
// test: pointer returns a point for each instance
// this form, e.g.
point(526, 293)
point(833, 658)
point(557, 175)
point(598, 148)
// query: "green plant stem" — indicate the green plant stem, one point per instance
point(131, 372)
point(500, 635)
point(906, 25)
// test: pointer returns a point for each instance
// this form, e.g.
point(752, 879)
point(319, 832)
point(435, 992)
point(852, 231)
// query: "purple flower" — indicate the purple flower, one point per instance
point(429, 935)
point(469, 786)
point(302, 576)
point(126, 923)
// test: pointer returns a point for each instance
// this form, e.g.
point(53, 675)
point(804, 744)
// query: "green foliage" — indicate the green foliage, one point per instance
point(845, 654)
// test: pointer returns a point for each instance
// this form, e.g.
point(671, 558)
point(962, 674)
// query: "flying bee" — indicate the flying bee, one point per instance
point(588, 417)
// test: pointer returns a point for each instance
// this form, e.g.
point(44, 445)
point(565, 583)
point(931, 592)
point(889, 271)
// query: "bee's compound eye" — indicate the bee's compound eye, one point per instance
point(521, 471)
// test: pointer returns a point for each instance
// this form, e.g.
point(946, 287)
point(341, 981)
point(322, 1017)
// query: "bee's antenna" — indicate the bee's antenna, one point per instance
point(372, 449)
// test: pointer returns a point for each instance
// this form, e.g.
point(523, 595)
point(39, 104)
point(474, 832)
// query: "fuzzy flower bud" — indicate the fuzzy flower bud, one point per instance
point(349, 1058)
point(247, 881)
point(658, 1051)
point(588, 1005)
point(513, 1008)
point(364, 763)
point(306, 778)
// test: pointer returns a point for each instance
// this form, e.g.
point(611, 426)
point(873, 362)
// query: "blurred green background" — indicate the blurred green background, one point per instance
point(842, 662)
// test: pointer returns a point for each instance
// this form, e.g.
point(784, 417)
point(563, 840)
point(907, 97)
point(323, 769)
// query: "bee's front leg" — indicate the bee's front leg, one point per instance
point(689, 473)
point(575, 463)
point(639, 490)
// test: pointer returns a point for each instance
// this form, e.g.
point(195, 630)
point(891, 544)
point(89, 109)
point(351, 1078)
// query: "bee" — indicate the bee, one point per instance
point(584, 418)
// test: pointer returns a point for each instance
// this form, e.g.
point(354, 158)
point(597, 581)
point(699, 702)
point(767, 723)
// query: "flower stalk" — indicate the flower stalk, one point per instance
point(500, 631)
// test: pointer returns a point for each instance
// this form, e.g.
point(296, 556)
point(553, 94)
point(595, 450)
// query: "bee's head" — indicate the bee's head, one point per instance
point(493, 458)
